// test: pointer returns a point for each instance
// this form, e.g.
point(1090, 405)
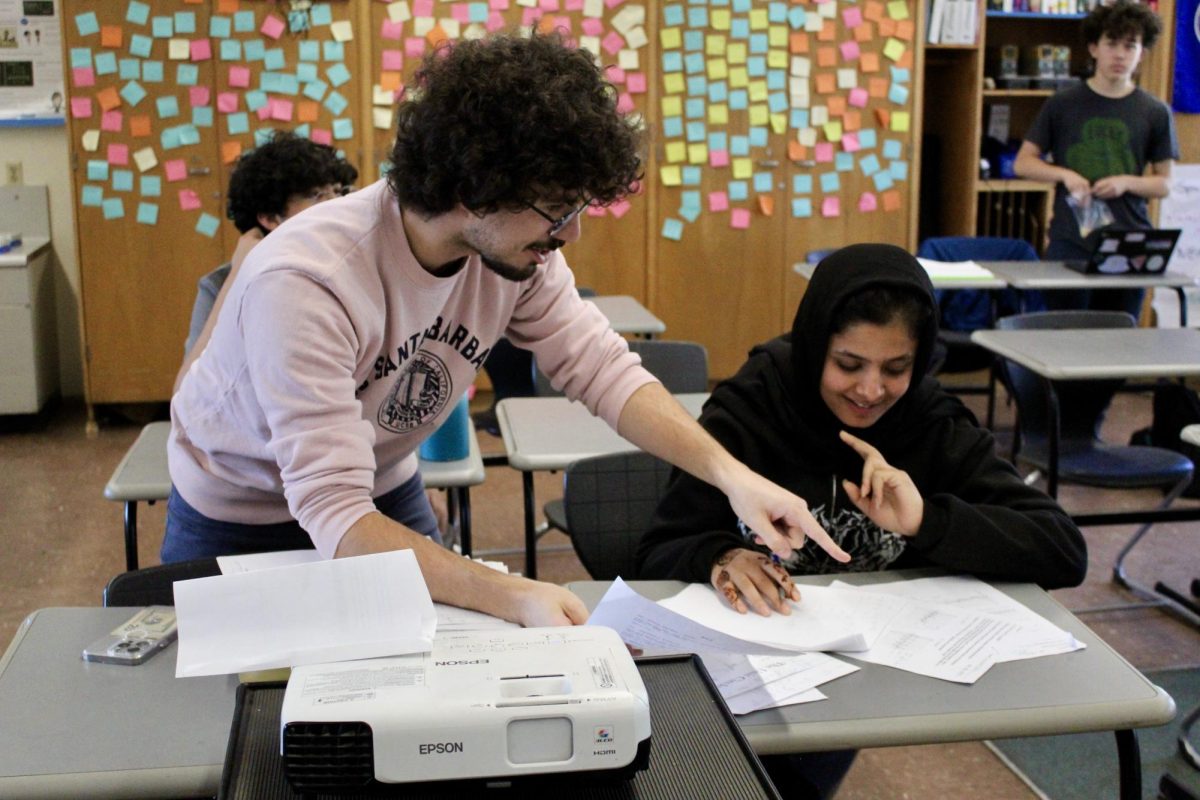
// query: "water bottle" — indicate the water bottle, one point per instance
point(450, 441)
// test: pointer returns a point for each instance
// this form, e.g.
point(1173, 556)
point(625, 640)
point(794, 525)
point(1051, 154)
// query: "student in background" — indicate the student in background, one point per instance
point(350, 332)
point(1100, 136)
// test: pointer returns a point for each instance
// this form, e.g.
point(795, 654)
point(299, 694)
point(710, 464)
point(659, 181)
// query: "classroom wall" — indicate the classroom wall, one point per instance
point(45, 161)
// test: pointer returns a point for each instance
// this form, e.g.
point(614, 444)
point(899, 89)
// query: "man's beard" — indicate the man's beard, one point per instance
point(515, 273)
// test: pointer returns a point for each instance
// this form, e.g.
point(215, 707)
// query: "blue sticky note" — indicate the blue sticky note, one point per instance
point(131, 69)
point(777, 102)
point(738, 100)
point(92, 196)
point(843, 162)
point(697, 85)
point(759, 43)
point(279, 83)
point(689, 213)
point(237, 123)
point(147, 213)
point(830, 182)
point(81, 57)
point(798, 118)
point(337, 74)
point(274, 59)
point(151, 185)
point(231, 49)
point(140, 45)
point(891, 149)
point(297, 21)
point(168, 106)
point(689, 199)
point(162, 27)
point(187, 74)
point(672, 127)
point(672, 61)
point(883, 180)
point(672, 15)
point(478, 12)
point(335, 102)
point(763, 182)
point(718, 140)
point(740, 28)
point(343, 128)
point(693, 40)
point(718, 92)
point(869, 164)
point(310, 51)
point(113, 208)
point(776, 79)
point(756, 66)
point(801, 207)
point(106, 63)
point(87, 24)
point(262, 136)
point(796, 17)
point(207, 224)
point(691, 176)
point(802, 184)
point(243, 22)
point(202, 116)
point(321, 14)
point(900, 74)
point(133, 93)
point(758, 136)
point(693, 64)
point(254, 49)
point(189, 134)
point(777, 12)
point(306, 73)
point(672, 229)
point(898, 94)
point(333, 50)
point(255, 99)
point(185, 22)
point(741, 6)
point(122, 180)
point(866, 139)
point(220, 27)
point(695, 131)
point(169, 137)
point(739, 145)
point(152, 71)
point(137, 12)
point(738, 190)
point(315, 90)
point(693, 108)
point(899, 170)
point(303, 131)
point(698, 17)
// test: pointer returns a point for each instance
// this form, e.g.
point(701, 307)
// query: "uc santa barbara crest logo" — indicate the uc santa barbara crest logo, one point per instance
point(421, 391)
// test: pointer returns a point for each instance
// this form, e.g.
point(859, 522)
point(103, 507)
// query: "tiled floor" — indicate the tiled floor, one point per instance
point(62, 541)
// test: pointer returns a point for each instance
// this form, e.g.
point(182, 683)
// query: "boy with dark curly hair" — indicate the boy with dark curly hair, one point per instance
point(1101, 135)
point(351, 331)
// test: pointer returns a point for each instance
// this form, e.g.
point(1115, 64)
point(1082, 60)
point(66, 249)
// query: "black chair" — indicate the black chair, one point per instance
point(155, 586)
point(609, 502)
point(1057, 430)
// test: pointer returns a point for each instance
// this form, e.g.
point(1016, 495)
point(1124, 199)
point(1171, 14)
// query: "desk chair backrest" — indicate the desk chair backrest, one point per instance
point(1081, 403)
point(681, 366)
point(970, 309)
point(610, 501)
point(155, 586)
point(815, 257)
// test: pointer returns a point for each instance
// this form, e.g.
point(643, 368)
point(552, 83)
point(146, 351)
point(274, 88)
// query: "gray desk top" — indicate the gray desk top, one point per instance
point(454, 474)
point(1093, 689)
point(1095, 354)
point(805, 270)
point(626, 315)
point(1057, 275)
point(550, 433)
point(72, 728)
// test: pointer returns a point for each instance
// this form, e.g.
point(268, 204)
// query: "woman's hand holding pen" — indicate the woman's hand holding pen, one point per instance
point(748, 579)
point(886, 495)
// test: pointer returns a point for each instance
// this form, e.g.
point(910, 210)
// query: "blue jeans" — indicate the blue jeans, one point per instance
point(190, 534)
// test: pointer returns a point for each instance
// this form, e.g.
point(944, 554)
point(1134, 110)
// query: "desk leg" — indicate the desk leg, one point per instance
point(464, 515)
point(1130, 759)
point(131, 553)
point(530, 532)
point(1052, 414)
point(1183, 300)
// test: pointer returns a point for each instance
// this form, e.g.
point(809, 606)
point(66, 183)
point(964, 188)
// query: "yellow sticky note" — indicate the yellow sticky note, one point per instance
point(716, 69)
point(720, 19)
point(672, 106)
point(178, 50)
point(833, 131)
point(739, 78)
point(718, 114)
point(676, 152)
point(758, 91)
point(673, 83)
point(819, 115)
point(671, 38)
point(777, 36)
point(342, 30)
point(759, 115)
point(777, 59)
point(736, 53)
point(714, 45)
point(145, 159)
point(897, 9)
point(758, 19)
point(670, 176)
point(779, 123)
point(697, 153)
point(742, 168)
point(894, 49)
point(900, 121)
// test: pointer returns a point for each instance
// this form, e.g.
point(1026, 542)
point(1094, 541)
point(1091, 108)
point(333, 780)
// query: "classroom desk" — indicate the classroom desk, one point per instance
point(626, 315)
point(1093, 689)
point(805, 270)
point(551, 433)
point(142, 476)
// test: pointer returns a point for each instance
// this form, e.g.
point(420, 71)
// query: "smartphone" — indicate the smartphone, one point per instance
point(137, 640)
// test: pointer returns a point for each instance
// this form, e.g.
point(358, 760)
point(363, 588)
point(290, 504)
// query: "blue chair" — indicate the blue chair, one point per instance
point(815, 257)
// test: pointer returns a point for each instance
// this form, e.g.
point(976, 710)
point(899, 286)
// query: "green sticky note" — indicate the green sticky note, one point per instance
point(113, 208)
point(147, 213)
point(151, 186)
point(92, 196)
point(207, 224)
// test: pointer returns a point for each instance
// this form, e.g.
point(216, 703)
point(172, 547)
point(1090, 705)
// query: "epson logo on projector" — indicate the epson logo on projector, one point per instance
point(460, 663)
point(438, 748)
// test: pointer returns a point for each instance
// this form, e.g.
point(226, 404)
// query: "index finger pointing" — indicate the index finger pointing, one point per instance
point(862, 448)
point(809, 526)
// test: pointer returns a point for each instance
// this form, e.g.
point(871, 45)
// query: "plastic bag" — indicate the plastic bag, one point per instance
point(1090, 214)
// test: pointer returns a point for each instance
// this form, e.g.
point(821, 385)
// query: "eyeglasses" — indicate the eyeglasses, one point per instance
point(558, 223)
point(323, 193)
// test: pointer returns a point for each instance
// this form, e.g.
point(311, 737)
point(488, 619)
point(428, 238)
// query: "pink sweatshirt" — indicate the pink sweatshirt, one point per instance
point(335, 354)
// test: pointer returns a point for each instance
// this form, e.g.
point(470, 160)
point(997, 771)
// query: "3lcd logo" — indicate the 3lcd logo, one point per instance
point(604, 735)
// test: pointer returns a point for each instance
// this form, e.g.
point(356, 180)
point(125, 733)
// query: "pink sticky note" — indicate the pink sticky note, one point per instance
point(867, 202)
point(393, 60)
point(263, 112)
point(188, 200)
point(718, 158)
point(615, 74)
point(414, 46)
point(850, 142)
point(529, 17)
point(823, 152)
point(322, 136)
point(612, 43)
point(461, 12)
point(620, 208)
point(635, 82)
point(83, 76)
point(118, 154)
point(597, 211)
point(852, 17)
point(227, 102)
point(201, 49)
point(495, 21)
point(564, 24)
point(422, 8)
point(592, 26)
point(858, 97)
point(498, 5)
point(239, 77)
point(176, 169)
point(849, 50)
point(718, 201)
point(830, 207)
point(111, 121)
point(739, 218)
point(281, 109)
point(625, 103)
point(81, 107)
point(573, 5)
point(392, 30)
point(548, 5)
point(272, 26)
point(198, 95)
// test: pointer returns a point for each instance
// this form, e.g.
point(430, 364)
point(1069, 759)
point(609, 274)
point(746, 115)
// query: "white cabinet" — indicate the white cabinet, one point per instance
point(28, 341)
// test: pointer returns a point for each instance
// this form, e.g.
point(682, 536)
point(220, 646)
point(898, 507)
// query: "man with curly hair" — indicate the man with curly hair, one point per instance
point(352, 330)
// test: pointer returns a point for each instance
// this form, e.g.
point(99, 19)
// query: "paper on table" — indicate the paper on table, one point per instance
point(751, 682)
point(824, 619)
point(234, 565)
point(957, 270)
point(337, 610)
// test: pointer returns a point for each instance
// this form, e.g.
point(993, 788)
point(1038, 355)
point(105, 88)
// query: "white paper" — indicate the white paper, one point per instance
point(234, 565)
point(452, 618)
point(956, 270)
point(336, 610)
point(752, 682)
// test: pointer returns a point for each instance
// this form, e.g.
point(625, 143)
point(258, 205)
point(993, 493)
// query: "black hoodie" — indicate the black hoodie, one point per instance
point(979, 515)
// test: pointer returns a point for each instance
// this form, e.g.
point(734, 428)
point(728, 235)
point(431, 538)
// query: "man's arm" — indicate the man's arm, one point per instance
point(654, 421)
point(1029, 164)
point(1156, 184)
point(461, 582)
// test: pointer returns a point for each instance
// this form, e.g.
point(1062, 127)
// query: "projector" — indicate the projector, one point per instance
point(491, 705)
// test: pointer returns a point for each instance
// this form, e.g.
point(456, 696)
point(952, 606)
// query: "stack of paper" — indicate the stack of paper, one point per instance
point(956, 270)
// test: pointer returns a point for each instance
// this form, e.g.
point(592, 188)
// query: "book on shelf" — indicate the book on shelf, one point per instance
point(953, 22)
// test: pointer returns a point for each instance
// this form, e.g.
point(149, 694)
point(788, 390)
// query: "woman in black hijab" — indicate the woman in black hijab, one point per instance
point(842, 413)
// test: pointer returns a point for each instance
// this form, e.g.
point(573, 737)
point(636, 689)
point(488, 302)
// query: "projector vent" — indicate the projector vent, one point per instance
point(328, 755)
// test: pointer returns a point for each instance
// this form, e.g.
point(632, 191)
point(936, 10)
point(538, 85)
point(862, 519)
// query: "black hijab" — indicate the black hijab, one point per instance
point(780, 383)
